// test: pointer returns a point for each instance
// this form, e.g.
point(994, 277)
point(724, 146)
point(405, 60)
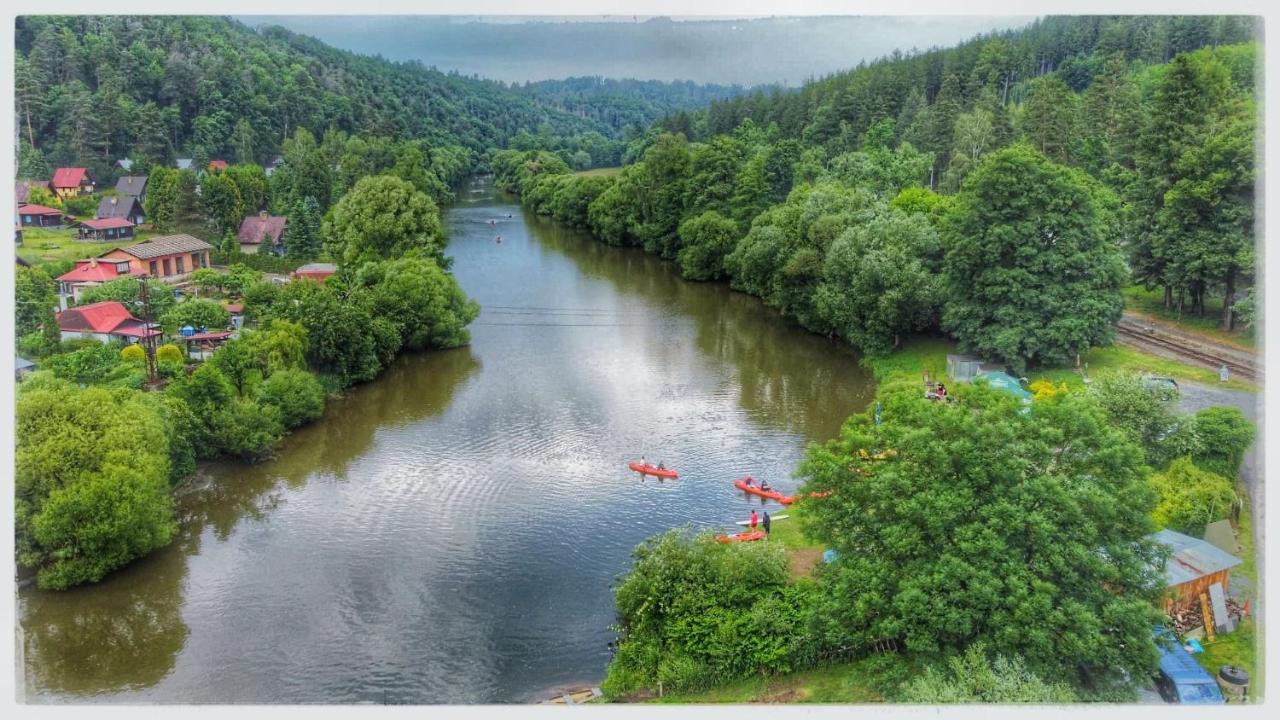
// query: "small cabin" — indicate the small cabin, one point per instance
point(105, 229)
point(1194, 567)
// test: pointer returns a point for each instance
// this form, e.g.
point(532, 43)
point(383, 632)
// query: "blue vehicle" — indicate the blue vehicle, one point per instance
point(1181, 679)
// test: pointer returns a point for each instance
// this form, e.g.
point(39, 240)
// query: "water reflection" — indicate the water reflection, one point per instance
point(125, 633)
point(121, 634)
point(788, 377)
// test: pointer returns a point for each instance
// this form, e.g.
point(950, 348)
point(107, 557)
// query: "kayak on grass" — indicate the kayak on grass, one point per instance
point(754, 490)
point(741, 537)
point(646, 469)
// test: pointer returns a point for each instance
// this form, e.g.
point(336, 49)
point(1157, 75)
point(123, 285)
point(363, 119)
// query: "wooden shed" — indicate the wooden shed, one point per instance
point(1194, 566)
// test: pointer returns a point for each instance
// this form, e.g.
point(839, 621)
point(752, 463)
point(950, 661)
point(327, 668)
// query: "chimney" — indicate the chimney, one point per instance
point(262, 216)
point(93, 262)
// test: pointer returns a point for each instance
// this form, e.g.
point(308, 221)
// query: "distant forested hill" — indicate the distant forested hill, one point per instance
point(622, 104)
point(94, 89)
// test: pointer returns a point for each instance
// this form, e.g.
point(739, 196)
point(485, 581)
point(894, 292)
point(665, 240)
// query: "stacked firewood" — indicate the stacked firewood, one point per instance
point(1192, 617)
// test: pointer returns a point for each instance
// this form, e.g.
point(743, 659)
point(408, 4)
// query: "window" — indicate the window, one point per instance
point(153, 268)
point(122, 268)
point(180, 261)
point(195, 260)
point(26, 219)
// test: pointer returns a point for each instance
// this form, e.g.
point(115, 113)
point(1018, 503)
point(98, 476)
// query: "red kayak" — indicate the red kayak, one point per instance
point(651, 470)
point(771, 494)
point(741, 537)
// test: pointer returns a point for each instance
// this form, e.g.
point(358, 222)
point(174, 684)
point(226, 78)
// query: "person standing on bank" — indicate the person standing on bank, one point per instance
point(766, 522)
point(754, 519)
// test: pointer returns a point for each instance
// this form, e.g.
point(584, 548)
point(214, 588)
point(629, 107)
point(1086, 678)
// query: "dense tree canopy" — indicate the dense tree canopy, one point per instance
point(92, 489)
point(381, 218)
point(1032, 278)
point(1025, 531)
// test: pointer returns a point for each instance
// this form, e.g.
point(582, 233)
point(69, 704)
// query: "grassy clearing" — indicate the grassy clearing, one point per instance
point(601, 172)
point(47, 245)
point(866, 680)
point(1151, 302)
point(920, 354)
point(1240, 648)
point(803, 553)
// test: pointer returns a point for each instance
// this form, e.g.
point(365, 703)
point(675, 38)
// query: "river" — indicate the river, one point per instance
point(451, 532)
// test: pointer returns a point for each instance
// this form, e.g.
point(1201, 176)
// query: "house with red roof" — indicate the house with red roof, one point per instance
point(39, 216)
point(104, 322)
point(315, 271)
point(217, 165)
point(260, 228)
point(92, 273)
point(68, 182)
point(105, 229)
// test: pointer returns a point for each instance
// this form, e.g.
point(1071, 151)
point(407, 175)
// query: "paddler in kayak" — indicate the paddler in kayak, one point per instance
point(661, 466)
point(764, 485)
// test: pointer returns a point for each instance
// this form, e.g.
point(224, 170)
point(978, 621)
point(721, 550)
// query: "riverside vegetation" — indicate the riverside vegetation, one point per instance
point(996, 544)
point(870, 206)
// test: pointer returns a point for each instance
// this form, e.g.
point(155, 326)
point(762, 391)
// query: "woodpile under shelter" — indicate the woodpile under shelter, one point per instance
point(1194, 567)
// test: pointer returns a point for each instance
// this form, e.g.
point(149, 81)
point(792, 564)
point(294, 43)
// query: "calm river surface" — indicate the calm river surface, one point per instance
point(451, 532)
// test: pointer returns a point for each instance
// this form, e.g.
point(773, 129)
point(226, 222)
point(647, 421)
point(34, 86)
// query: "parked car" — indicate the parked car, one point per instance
point(1165, 388)
point(1181, 679)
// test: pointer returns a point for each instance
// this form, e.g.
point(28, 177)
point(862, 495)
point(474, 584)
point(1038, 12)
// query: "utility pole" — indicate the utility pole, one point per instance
point(148, 340)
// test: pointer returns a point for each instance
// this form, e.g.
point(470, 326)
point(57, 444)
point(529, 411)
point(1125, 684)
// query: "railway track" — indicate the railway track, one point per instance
point(1151, 339)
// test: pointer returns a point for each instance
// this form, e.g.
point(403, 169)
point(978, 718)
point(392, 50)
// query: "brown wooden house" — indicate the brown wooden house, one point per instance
point(1194, 566)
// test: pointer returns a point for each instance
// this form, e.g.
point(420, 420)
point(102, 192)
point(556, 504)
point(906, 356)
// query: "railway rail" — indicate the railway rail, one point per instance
point(1151, 339)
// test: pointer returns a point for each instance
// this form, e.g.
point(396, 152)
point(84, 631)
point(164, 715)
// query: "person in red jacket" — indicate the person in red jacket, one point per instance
point(754, 519)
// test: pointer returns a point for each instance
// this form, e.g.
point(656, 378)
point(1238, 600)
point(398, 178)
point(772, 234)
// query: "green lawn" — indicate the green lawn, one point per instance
point(1151, 302)
point(919, 354)
point(46, 245)
point(866, 680)
point(602, 172)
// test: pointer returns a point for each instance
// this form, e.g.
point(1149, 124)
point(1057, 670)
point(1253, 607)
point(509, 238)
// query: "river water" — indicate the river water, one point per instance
point(451, 532)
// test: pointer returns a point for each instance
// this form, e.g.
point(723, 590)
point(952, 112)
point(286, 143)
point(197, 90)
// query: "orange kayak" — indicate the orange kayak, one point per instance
point(771, 494)
point(741, 537)
point(651, 470)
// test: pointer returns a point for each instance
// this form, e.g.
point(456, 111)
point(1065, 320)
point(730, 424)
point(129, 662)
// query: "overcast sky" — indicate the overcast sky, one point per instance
point(727, 51)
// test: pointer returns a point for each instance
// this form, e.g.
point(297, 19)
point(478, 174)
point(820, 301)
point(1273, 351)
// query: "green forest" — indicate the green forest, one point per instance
point(94, 89)
point(869, 205)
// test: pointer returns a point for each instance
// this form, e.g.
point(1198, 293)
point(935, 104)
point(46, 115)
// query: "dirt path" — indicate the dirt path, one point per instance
point(1195, 397)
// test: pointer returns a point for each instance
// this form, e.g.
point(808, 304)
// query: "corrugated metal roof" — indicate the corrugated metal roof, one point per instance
point(1192, 558)
point(167, 245)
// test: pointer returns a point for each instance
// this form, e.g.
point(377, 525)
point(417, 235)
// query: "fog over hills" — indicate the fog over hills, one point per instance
point(785, 50)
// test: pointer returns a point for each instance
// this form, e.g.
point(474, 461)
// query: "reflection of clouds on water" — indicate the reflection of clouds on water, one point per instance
point(451, 531)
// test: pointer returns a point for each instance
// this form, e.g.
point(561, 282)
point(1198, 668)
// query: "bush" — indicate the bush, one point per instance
point(1223, 435)
point(169, 353)
point(133, 354)
point(297, 394)
point(974, 678)
point(1191, 497)
point(82, 206)
point(695, 612)
point(197, 313)
point(91, 487)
